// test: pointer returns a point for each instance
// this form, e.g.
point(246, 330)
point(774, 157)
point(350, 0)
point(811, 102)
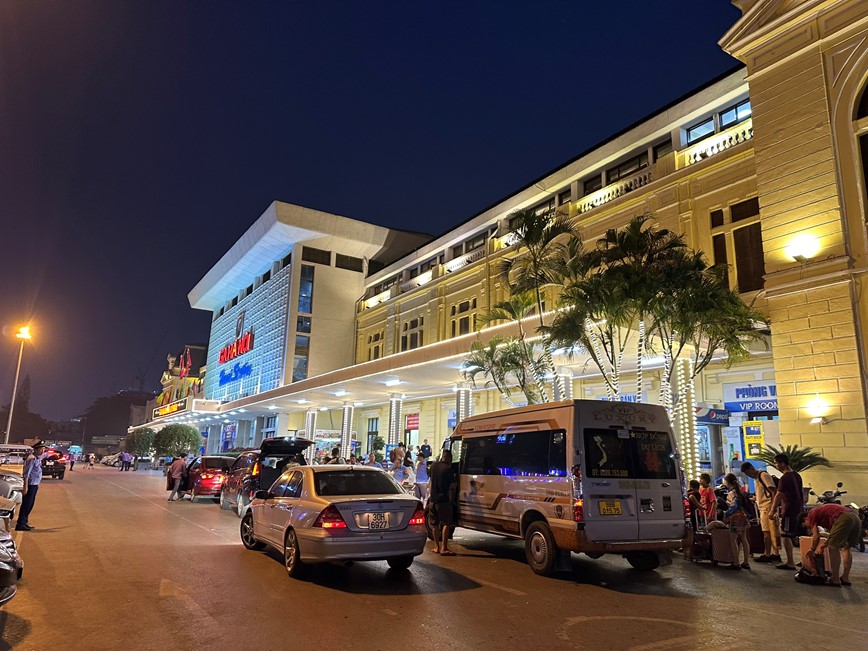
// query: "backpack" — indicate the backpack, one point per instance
point(769, 492)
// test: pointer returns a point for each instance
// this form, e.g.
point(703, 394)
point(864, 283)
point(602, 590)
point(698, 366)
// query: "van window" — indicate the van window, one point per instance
point(614, 454)
point(518, 454)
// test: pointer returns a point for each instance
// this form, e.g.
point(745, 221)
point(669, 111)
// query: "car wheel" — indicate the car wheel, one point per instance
point(224, 503)
point(400, 562)
point(193, 495)
point(241, 505)
point(540, 549)
point(644, 561)
point(292, 556)
point(61, 476)
point(247, 538)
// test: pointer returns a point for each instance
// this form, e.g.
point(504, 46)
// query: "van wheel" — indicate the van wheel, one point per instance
point(643, 561)
point(540, 549)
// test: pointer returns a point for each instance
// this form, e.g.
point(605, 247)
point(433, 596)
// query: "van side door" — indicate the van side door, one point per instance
point(658, 486)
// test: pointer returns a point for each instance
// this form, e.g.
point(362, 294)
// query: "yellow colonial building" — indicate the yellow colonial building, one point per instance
point(762, 169)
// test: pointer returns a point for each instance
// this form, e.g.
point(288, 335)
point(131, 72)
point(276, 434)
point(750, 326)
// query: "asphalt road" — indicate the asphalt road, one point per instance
point(112, 565)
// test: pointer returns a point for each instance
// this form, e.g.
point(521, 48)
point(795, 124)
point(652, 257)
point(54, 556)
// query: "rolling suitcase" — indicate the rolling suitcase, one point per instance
point(721, 552)
point(701, 549)
point(756, 539)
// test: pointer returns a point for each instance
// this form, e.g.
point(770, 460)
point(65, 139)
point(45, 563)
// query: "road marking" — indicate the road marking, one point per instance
point(389, 612)
point(814, 622)
point(160, 506)
point(497, 586)
point(170, 589)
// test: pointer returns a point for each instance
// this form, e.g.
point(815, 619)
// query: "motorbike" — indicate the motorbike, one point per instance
point(829, 497)
point(862, 511)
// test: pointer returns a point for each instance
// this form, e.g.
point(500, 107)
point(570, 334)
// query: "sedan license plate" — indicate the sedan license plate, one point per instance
point(378, 520)
point(610, 507)
point(49, 463)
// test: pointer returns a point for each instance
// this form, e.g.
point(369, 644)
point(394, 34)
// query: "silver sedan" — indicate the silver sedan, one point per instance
point(316, 514)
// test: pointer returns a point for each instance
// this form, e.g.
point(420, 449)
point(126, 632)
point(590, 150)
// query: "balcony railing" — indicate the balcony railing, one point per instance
point(741, 132)
point(464, 260)
point(615, 190)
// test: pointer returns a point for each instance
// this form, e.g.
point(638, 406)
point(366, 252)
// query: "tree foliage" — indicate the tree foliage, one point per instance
point(140, 442)
point(800, 458)
point(174, 439)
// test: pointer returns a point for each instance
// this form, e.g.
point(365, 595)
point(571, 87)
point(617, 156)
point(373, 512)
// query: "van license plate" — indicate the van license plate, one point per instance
point(378, 520)
point(612, 507)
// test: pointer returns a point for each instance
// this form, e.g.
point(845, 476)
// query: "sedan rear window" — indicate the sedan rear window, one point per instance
point(222, 463)
point(355, 482)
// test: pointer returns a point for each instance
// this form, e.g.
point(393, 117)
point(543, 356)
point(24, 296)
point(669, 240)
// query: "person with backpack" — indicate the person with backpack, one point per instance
point(765, 495)
point(790, 499)
point(738, 520)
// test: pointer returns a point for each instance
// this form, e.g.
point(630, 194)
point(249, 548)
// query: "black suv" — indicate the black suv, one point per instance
point(258, 469)
point(54, 465)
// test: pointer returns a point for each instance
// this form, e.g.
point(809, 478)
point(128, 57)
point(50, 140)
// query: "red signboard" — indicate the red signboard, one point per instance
point(412, 421)
point(243, 344)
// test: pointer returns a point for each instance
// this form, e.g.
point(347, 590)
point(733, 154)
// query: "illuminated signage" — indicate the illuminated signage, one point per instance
point(754, 438)
point(171, 408)
point(755, 396)
point(244, 344)
point(237, 372)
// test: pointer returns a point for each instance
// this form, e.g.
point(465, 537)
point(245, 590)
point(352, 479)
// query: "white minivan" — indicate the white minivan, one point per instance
point(574, 476)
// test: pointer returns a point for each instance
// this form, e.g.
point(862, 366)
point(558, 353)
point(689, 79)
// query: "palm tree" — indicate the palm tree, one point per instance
point(633, 256)
point(800, 458)
point(537, 235)
point(486, 360)
point(518, 307)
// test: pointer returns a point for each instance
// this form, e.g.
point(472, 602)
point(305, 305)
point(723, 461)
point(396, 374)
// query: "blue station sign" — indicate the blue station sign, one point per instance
point(750, 396)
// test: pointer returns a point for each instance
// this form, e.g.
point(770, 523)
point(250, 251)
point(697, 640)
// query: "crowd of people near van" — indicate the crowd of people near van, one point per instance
point(778, 508)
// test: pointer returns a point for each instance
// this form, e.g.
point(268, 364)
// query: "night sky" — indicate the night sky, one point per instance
point(140, 139)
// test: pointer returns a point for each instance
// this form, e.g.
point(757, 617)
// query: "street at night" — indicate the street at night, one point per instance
point(126, 569)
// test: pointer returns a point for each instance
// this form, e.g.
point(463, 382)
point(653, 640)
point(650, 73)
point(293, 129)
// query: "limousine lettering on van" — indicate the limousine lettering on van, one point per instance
point(623, 412)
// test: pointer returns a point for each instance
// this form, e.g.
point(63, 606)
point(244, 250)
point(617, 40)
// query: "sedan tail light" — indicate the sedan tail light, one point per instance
point(330, 518)
point(418, 516)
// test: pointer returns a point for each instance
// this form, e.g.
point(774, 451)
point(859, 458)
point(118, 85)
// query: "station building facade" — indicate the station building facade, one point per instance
point(344, 331)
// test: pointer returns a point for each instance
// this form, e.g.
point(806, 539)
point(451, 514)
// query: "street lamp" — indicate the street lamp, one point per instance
point(23, 334)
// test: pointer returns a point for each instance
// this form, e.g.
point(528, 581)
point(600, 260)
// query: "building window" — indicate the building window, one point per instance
point(749, 263)
point(375, 345)
point(266, 276)
point(349, 262)
point(299, 362)
point(592, 185)
point(627, 167)
point(463, 319)
point(718, 245)
point(319, 256)
point(425, 266)
point(565, 196)
point(744, 210)
point(475, 243)
point(302, 324)
point(735, 114)
point(286, 260)
point(234, 302)
point(544, 207)
point(412, 334)
point(716, 218)
point(699, 131)
point(662, 149)
point(457, 251)
point(305, 290)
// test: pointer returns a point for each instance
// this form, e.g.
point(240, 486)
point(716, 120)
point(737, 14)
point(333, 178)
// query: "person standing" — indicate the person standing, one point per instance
point(707, 497)
point(845, 531)
point(441, 479)
point(32, 476)
point(177, 471)
point(736, 517)
point(90, 459)
point(765, 494)
point(372, 461)
point(788, 504)
point(71, 461)
point(421, 476)
point(425, 449)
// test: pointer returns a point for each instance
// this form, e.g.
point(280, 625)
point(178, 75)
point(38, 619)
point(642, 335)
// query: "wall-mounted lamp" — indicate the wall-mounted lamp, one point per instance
point(803, 247)
point(819, 421)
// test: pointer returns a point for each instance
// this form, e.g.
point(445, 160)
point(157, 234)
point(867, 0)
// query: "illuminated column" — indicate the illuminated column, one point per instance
point(310, 433)
point(396, 403)
point(463, 402)
point(566, 376)
point(685, 419)
point(346, 428)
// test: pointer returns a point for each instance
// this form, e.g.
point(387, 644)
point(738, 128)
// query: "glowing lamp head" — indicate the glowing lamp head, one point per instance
point(817, 407)
point(803, 247)
point(23, 332)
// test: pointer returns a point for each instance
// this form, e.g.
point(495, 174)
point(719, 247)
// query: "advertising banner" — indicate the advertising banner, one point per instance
point(754, 438)
point(750, 396)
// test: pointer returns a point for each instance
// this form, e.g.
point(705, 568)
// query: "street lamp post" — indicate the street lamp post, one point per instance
point(23, 334)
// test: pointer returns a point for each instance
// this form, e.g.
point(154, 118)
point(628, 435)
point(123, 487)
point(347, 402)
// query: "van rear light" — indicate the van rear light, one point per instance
point(686, 504)
point(418, 516)
point(579, 510)
point(330, 518)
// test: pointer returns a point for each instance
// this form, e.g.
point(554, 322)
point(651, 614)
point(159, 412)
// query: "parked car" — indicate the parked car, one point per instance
point(54, 465)
point(317, 514)
point(205, 476)
point(257, 469)
point(11, 565)
point(113, 460)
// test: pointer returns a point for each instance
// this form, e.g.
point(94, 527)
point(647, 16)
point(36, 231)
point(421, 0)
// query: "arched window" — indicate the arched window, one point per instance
point(861, 128)
point(862, 108)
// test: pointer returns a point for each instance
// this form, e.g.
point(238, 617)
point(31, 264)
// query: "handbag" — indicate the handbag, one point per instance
point(170, 483)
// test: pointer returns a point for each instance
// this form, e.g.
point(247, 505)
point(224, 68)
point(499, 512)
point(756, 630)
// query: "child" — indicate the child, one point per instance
point(694, 508)
point(707, 497)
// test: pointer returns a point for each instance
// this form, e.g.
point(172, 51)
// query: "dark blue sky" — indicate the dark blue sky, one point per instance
point(139, 139)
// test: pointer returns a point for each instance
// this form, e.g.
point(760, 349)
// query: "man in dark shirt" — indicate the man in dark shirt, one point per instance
point(425, 449)
point(441, 478)
point(790, 499)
